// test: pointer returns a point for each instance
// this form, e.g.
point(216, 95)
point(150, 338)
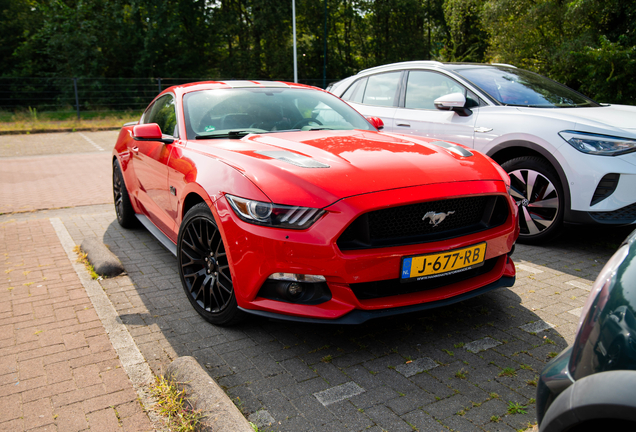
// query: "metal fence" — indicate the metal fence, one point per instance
point(88, 94)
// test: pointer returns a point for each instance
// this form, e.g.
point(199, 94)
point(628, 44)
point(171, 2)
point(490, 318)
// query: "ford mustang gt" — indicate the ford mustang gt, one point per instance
point(281, 200)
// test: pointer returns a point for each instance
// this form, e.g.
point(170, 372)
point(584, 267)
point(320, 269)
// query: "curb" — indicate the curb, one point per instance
point(44, 131)
point(104, 262)
point(204, 394)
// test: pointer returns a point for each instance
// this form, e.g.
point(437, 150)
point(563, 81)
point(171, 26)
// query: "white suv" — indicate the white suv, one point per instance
point(569, 158)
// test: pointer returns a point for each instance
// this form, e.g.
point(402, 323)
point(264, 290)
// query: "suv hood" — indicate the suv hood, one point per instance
point(318, 168)
point(607, 119)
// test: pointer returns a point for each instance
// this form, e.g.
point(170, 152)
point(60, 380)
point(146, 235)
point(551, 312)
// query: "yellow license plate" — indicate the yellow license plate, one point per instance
point(429, 266)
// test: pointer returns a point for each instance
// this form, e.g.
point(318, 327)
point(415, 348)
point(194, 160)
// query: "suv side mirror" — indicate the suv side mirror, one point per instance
point(453, 102)
point(150, 132)
point(376, 122)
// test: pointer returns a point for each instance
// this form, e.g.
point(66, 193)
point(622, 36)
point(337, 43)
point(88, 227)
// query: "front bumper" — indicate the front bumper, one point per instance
point(256, 252)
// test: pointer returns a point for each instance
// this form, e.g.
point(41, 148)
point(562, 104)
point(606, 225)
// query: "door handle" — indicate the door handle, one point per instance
point(404, 124)
point(135, 150)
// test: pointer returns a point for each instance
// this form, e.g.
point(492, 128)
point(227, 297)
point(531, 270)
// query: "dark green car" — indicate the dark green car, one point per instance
point(592, 384)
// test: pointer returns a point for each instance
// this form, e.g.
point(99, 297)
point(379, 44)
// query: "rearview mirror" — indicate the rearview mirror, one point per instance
point(376, 122)
point(453, 102)
point(150, 132)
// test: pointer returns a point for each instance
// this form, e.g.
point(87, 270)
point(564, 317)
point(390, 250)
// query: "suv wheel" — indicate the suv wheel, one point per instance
point(536, 188)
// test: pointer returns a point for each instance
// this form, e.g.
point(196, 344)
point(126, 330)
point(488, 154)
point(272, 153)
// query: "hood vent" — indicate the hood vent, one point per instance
point(459, 150)
point(293, 158)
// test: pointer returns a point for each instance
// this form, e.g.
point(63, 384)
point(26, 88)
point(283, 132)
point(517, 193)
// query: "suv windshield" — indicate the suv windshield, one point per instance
point(519, 87)
point(232, 113)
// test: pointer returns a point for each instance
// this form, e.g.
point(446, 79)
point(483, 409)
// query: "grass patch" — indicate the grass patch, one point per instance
point(461, 374)
point(81, 258)
point(31, 120)
point(516, 408)
point(508, 372)
point(171, 404)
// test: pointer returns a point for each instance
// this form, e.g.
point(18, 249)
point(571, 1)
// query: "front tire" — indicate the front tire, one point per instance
point(538, 192)
point(204, 268)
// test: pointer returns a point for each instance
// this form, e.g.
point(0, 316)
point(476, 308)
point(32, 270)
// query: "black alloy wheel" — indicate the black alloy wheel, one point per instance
point(204, 268)
point(123, 208)
point(537, 190)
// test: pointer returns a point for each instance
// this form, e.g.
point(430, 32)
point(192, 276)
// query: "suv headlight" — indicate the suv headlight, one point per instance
point(274, 215)
point(603, 145)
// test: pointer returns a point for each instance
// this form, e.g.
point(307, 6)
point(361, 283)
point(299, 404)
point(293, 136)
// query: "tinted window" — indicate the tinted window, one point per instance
point(163, 113)
point(382, 89)
point(424, 87)
point(519, 87)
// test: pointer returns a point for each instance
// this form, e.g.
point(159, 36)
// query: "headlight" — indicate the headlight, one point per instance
point(274, 215)
point(603, 145)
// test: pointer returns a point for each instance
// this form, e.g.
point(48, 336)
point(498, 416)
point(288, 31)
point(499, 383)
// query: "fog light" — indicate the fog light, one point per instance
point(294, 290)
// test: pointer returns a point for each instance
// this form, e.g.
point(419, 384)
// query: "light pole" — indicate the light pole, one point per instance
point(294, 30)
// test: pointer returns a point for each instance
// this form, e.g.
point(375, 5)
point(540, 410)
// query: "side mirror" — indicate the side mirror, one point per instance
point(150, 132)
point(453, 102)
point(376, 122)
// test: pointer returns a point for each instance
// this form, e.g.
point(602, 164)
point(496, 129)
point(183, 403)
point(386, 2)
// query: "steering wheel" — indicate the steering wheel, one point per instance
point(305, 122)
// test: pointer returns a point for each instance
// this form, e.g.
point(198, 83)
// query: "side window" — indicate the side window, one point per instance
point(382, 89)
point(356, 91)
point(163, 113)
point(424, 87)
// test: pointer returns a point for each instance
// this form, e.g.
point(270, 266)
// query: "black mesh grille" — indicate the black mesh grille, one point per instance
point(621, 216)
point(391, 287)
point(605, 187)
point(409, 225)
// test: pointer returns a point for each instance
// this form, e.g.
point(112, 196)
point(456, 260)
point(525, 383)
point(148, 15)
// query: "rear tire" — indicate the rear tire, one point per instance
point(204, 268)
point(124, 209)
point(538, 192)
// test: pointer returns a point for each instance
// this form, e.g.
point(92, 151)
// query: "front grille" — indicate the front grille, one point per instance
point(391, 287)
point(623, 215)
point(605, 187)
point(406, 225)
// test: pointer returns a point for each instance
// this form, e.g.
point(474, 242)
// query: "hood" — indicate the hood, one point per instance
point(611, 119)
point(318, 168)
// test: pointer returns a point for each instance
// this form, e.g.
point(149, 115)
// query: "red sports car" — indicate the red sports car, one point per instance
point(281, 200)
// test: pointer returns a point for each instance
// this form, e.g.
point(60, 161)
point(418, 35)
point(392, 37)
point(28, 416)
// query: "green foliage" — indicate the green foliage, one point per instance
point(589, 45)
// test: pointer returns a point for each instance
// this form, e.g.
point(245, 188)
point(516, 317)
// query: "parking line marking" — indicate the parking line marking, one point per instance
point(528, 268)
point(581, 285)
point(91, 141)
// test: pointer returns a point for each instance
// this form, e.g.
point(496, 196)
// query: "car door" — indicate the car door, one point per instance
point(376, 96)
point(417, 114)
point(150, 159)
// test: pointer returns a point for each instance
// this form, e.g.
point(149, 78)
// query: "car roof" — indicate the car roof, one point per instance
point(431, 63)
point(212, 85)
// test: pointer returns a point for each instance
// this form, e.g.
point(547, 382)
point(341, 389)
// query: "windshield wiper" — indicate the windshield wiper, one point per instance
point(320, 128)
point(231, 135)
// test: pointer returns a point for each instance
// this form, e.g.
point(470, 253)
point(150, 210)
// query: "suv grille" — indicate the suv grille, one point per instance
point(406, 225)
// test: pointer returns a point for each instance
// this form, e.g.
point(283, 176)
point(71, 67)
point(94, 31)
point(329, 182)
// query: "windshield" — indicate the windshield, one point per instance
point(519, 87)
point(232, 113)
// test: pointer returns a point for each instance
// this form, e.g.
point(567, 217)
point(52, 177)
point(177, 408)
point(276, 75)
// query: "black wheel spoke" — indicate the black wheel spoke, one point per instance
point(204, 266)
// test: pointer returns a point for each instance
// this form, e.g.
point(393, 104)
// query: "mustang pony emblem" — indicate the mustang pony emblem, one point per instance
point(436, 218)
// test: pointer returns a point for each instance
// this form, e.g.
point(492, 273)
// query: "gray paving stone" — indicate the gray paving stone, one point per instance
point(387, 419)
point(338, 393)
point(416, 366)
point(481, 345)
point(536, 327)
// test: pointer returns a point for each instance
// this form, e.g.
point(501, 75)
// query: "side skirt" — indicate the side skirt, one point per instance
point(163, 239)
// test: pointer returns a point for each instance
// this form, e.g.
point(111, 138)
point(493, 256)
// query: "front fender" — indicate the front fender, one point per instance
point(605, 395)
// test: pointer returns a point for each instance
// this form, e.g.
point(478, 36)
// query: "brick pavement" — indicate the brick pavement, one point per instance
point(396, 374)
point(58, 369)
point(456, 367)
